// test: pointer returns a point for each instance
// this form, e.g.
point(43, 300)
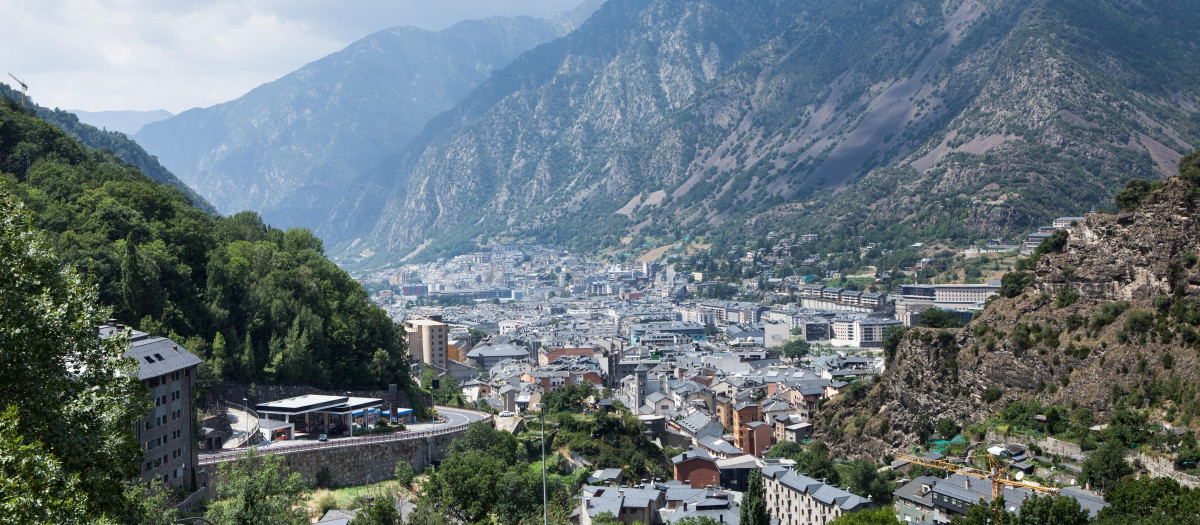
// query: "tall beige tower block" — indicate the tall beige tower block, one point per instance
point(427, 342)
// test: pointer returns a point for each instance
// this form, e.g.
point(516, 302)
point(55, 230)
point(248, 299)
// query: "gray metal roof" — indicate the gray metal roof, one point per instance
point(155, 356)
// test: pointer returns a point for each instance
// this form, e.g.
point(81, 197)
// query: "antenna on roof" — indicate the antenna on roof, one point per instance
point(24, 88)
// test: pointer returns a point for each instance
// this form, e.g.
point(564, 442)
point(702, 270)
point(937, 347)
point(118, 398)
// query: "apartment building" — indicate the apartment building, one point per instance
point(796, 499)
point(428, 341)
point(168, 370)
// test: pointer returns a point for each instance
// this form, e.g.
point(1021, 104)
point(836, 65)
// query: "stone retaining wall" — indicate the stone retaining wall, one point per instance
point(1048, 445)
point(1164, 467)
point(358, 464)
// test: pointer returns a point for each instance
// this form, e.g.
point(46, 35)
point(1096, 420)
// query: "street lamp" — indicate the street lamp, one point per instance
point(545, 508)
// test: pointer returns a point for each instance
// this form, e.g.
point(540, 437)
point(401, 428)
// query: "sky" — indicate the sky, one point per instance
point(99, 55)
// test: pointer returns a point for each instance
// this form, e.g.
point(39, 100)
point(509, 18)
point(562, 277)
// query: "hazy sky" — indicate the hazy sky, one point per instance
point(100, 55)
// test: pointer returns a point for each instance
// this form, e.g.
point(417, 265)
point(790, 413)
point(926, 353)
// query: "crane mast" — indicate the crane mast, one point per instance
point(24, 88)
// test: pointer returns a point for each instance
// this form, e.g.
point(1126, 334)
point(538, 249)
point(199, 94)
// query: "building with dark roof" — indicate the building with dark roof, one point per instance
point(796, 499)
point(169, 455)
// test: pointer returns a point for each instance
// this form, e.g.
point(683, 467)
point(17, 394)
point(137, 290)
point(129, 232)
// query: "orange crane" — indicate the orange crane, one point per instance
point(24, 88)
point(998, 474)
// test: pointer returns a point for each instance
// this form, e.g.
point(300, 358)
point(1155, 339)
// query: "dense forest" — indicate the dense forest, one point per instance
point(255, 302)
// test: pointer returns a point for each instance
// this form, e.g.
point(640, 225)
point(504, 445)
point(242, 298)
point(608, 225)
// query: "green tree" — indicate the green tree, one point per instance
point(983, 513)
point(820, 464)
point(1015, 283)
point(131, 280)
point(1061, 510)
point(754, 502)
point(786, 449)
point(699, 520)
point(404, 472)
point(947, 428)
point(477, 335)
point(467, 484)
point(1106, 465)
point(69, 399)
point(256, 489)
point(1149, 501)
point(934, 317)
point(380, 511)
point(795, 348)
point(863, 478)
point(884, 516)
point(923, 428)
point(1130, 197)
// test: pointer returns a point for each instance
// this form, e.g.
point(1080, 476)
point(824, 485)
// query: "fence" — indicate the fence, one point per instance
point(250, 431)
point(220, 457)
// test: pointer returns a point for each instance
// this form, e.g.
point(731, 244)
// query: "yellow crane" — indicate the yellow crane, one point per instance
point(24, 88)
point(998, 475)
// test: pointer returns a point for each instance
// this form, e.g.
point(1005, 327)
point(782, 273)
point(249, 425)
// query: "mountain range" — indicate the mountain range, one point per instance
point(895, 120)
point(127, 122)
point(295, 149)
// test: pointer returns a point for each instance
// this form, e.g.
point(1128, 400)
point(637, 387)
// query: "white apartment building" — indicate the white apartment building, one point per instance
point(796, 499)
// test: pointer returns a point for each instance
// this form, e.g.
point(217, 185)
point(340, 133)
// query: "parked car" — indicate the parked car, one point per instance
point(322, 437)
point(507, 413)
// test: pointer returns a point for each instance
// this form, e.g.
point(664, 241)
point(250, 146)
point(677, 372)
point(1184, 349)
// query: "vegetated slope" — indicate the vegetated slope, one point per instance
point(255, 303)
point(292, 149)
point(661, 118)
point(1110, 317)
point(116, 142)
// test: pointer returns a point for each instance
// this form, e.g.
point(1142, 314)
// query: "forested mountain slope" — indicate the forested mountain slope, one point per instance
point(294, 149)
point(256, 303)
point(959, 119)
point(116, 142)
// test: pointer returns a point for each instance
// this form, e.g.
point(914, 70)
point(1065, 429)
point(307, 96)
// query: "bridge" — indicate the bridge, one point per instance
point(364, 459)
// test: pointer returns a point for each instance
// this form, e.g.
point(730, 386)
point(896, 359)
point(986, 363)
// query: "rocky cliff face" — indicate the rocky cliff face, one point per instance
point(1126, 328)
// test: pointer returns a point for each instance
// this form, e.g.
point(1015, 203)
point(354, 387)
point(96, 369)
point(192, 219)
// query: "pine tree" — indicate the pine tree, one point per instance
point(754, 502)
point(131, 280)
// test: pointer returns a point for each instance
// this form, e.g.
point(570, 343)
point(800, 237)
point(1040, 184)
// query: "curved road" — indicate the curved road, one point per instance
point(453, 419)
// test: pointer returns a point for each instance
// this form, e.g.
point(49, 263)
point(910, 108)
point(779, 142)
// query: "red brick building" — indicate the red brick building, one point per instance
point(697, 469)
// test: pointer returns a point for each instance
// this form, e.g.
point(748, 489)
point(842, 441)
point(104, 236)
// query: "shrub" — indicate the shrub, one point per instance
point(992, 394)
point(1065, 297)
point(1015, 283)
point(1130, 197)
point(324, 478)
point(404, 473)
point(1139, 321)
point(325, 502)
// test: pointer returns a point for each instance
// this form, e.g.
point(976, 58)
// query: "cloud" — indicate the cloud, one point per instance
point(148, 54)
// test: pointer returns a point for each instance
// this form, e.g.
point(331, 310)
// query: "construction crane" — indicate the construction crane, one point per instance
point(24, 88)
point(998, 475)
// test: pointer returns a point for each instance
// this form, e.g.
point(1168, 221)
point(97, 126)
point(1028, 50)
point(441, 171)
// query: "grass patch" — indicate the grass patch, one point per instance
point(343, 498)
